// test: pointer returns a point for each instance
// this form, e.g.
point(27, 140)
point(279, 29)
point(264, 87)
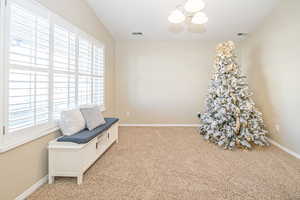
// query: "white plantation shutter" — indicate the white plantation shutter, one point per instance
point(50, 66)
point(91, 73)
point(63, 93)
point(85, 49)
point(98, 90)
point(98, 64)
point(98, 73)
point(28, 99)
point(85, 56)
point(29, 38)
point(64, 67)
point(84, 90)
point(64, 55)
point(28, 59)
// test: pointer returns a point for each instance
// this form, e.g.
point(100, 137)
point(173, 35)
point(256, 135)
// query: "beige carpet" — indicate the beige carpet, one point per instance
point(176, 163)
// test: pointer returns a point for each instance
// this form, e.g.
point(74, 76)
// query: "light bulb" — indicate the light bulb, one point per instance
point(199, 18)
point(194, 5)
point(176, 17)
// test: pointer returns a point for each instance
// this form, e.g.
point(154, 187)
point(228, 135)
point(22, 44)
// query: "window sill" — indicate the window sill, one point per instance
point(15, 142)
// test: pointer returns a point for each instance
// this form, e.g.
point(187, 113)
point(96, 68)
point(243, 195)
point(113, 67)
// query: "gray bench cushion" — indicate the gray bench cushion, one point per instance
point(85, 136)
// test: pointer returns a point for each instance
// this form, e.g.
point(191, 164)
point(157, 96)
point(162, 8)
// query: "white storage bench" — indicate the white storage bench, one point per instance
point(71, 159)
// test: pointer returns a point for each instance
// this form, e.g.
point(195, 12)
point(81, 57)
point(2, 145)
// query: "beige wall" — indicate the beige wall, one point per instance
point(271, 56)
point(23, 166)
point(162, 82)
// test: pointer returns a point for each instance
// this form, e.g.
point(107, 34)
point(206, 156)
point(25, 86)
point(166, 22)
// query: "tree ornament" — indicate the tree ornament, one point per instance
point(230, 118)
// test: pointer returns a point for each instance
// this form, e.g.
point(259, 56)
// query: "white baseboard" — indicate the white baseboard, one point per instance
point(33, 188)
point(162, 125)
point(285, 149)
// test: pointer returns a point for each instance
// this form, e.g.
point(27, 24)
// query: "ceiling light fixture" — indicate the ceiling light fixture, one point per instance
point(191, 9)
point(194, 5)
point(199, 18)
point(176, 17)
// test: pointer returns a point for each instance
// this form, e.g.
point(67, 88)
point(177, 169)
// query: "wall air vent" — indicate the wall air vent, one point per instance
point(137, 33)
point(242, 34)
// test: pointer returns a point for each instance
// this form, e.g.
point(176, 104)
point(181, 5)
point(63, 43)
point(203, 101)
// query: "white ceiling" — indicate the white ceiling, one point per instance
point(225, 18)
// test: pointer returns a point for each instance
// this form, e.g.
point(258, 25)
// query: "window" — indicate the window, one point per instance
point(28, 61)
point(51, 66)
point(64, 68)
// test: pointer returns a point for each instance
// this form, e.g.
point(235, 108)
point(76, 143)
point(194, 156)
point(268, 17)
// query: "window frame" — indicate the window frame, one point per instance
point(2, 70)
point(11, 140)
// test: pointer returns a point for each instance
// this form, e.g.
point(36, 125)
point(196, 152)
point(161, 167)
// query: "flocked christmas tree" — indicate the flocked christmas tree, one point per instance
point(230, 118)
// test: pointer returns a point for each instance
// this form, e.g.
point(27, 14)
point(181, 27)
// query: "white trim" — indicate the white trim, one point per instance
point(284, 148)
point(17, 141)
point(162, 125)
point(6, 31)
point(2, 71)
point(33, 188)
point(51, 71)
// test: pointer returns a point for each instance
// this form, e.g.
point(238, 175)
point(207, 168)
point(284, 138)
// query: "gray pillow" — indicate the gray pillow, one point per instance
point(71, 122)
point(93, 117)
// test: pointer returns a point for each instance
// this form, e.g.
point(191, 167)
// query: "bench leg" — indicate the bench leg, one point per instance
point(79, 179)
point(51, 179)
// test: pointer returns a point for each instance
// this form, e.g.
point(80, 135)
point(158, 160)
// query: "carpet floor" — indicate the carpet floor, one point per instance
point(169, 163)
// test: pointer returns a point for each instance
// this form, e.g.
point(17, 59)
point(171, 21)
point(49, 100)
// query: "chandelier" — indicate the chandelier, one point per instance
point(191, 9)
